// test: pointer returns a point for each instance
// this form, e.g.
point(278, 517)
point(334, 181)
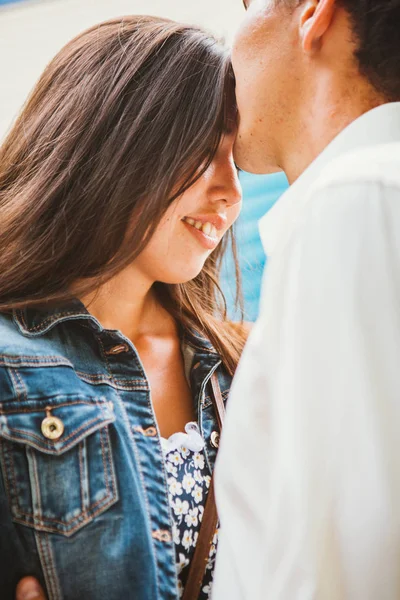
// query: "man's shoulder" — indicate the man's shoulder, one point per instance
point(354, 195)
point(376, 164)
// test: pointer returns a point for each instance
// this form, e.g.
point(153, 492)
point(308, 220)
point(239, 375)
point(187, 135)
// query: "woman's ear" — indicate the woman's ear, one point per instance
point(316, 18)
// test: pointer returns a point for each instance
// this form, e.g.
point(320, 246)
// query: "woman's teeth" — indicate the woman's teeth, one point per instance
point(207, 228)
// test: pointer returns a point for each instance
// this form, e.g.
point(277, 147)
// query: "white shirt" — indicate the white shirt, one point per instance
point(308, 474)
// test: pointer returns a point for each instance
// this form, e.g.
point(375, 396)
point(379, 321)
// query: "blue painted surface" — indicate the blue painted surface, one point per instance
point(260, 192)
point(9, 2)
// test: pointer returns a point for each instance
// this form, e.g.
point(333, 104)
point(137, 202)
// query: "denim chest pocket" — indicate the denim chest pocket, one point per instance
point(57, 461)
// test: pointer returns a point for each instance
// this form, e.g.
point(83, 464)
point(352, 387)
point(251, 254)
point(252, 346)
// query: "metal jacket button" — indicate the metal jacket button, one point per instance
point(52, 428)
point(215, 439)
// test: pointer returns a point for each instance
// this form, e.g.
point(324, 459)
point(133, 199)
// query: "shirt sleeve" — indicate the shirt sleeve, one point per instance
point(332, 515)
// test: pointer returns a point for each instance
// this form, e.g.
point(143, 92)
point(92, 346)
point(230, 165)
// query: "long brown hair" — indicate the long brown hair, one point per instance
point(124, 111)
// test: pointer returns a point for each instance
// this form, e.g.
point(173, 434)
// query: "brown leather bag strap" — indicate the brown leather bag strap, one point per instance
point(210, 517)
point(218, 400)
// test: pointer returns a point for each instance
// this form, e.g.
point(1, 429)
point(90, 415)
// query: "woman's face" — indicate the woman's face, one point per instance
point(195, 223)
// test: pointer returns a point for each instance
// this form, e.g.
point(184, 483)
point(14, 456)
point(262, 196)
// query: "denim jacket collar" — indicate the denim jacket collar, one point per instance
point(34, 322)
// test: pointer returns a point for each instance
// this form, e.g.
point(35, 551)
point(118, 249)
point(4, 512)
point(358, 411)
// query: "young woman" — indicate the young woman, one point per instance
point(117, 192)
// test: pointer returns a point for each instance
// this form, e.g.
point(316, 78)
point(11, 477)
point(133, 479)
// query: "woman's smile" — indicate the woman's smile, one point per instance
point(205, 228)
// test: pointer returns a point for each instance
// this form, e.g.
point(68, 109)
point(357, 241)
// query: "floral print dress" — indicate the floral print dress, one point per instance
point(188, 483)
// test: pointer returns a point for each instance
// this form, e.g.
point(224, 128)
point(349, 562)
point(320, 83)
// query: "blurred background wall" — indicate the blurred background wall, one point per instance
point(32, 31)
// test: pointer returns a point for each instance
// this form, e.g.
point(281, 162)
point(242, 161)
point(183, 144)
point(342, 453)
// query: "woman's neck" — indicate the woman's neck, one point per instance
point(129, 303)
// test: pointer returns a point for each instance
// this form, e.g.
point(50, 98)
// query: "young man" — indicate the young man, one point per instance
point(308, 478)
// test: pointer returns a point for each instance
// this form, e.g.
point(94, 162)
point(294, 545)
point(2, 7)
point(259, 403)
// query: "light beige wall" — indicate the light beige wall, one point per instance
point(32, 32)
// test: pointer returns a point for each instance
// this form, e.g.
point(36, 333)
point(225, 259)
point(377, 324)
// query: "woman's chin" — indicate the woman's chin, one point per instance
point(182, 277)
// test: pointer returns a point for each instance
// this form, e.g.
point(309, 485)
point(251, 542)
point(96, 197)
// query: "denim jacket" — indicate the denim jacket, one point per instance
point(83, 495)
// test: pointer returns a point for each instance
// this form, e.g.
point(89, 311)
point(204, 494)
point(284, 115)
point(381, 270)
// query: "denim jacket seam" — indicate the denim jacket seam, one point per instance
point(55, 581)
point(22, 360)
point(104, 462)
point(22, 386)
point(110, 463)
point(47, 562)
point(37, 487)
point(102, 404)
point(20, 390)
point(34, 365)
point(8, 467)
point(30, 356)
point(81, 476)
point(99, 506)
point(130, 388)
point(127, 384)
point(43, 560)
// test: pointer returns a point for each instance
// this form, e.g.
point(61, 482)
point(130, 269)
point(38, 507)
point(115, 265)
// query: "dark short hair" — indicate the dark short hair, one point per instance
point(376, 26)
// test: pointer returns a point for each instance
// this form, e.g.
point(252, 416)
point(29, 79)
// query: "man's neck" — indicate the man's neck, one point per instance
point(328, 116)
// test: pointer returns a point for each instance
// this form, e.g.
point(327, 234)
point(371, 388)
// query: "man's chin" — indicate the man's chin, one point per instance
point(252, 157)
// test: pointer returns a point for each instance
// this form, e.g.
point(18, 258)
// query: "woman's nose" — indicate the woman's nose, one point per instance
point(227, 187)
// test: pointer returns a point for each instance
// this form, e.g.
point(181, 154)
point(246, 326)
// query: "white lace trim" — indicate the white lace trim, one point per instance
point(191, 440)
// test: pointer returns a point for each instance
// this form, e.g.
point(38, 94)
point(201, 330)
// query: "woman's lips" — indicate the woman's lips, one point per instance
point(207, 227)
point(208, 240)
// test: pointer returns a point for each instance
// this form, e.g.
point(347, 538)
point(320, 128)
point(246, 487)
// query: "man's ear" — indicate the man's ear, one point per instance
point(316, 17)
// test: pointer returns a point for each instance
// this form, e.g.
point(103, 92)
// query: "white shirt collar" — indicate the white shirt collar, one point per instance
point(378, 126)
